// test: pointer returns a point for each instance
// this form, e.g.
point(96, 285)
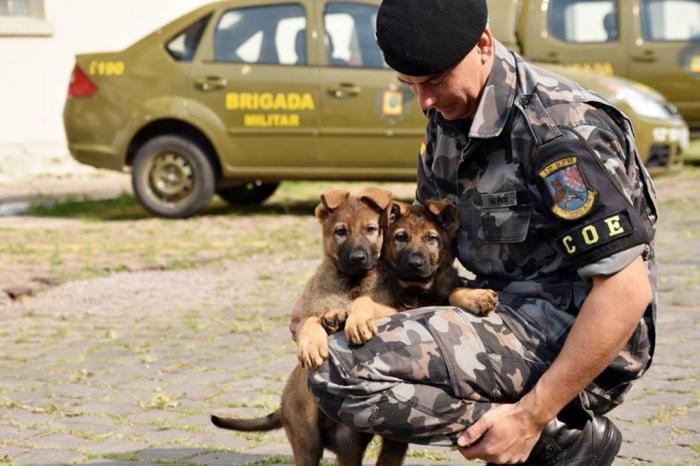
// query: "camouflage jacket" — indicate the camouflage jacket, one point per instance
point(549, 187)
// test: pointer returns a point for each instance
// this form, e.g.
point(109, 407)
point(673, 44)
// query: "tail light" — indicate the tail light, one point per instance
point(80, 84)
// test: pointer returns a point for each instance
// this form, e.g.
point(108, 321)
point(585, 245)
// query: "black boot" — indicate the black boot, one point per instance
point(595, 443)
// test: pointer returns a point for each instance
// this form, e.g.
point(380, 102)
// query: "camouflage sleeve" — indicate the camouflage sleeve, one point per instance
point(425, 184)
point(590, 182)
point(612, 264)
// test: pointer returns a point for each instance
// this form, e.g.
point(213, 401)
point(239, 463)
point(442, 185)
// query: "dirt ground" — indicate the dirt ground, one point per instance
point(121, 333)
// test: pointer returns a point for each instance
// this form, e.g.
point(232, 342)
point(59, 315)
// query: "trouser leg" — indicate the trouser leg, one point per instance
point(426, 376)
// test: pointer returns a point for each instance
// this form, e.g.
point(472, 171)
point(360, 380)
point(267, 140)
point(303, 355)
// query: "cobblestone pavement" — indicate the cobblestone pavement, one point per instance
point(125, 368)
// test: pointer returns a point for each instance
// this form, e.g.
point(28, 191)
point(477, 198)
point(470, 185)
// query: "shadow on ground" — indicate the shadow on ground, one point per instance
point(125, 207)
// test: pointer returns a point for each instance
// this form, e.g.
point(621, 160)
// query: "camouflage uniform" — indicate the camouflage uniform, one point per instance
point(550, 192)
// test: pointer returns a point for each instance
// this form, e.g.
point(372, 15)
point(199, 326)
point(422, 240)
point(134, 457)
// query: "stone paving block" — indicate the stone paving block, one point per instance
point(636, 411)
point(28, 418)
point(660, 454)
point(224, 458)
point(154, 416)
point(665, 398)
point(47, 457)
point(168, 454)
point(115, 447)
point(59, 440)
point(689, 421)
point(11, 432)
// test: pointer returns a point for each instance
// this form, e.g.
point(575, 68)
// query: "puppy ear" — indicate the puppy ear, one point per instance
point(334, 198)
point(393, 212)
point(376, 197)
point(330, 200)
point(446, 214)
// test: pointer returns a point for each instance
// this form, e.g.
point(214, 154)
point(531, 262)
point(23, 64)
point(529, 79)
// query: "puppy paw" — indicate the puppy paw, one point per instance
point(312, 354)
point(360, 328)
point(312, 344)
point(334, 319)
point(477, 301)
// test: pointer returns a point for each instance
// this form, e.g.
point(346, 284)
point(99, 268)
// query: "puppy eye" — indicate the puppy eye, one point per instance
point(371, 229)
point(432, 240)
point(341, 230)
point(401, 237)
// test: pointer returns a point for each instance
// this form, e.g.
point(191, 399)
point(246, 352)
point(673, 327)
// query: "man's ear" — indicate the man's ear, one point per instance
point(376, 197)
point(445, 213)
point(330, 201)
point(393, 212)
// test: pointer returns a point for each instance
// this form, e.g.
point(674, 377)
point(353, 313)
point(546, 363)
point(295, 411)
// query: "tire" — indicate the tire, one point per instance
point(251, 192)
point(172, 177)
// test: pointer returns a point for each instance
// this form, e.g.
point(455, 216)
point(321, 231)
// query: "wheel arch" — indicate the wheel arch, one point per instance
point(178, 127)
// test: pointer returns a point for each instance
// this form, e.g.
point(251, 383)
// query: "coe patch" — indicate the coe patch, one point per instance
point(596, 234)
point(572, 199)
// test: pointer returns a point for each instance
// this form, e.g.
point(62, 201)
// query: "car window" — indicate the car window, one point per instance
point(583, 20)
point(184, 45)
point(350, 35)
point(274, 34)
point(671, 20)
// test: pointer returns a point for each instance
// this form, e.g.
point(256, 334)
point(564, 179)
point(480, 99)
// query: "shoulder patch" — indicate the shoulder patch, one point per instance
point(571, 196)
point(596, 233)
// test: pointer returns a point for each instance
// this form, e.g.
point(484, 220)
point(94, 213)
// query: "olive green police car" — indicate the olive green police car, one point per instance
point(236, 96)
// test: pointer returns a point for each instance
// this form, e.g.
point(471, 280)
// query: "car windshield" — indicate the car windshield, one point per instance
point(671, 20)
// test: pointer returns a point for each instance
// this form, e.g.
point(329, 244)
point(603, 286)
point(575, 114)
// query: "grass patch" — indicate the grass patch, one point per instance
point(123, 207)
point(426, 455)
point(160, 400)
point(666, 413)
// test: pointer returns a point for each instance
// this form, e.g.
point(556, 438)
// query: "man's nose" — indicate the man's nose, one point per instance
point(426, 99)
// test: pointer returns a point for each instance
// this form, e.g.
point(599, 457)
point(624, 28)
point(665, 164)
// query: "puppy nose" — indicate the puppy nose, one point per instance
point(416, 261)
point(359, 256)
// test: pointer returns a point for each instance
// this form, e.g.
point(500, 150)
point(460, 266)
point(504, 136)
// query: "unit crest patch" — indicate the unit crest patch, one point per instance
point(572, 198)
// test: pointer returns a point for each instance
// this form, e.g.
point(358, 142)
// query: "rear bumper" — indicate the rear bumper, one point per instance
point(97, 156)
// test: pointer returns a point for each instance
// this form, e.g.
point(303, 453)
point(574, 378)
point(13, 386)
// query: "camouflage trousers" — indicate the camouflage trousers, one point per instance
point(431, 372)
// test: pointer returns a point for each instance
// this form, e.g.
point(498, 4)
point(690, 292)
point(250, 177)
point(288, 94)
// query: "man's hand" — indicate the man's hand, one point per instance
point(504, 435)
point(296, 317)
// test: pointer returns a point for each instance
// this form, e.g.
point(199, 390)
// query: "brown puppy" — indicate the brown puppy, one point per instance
point(352, 242)
point(418, 269)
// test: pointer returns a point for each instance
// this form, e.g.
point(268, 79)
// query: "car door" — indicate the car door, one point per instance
point(666, 55)
point(369, 120)
point(252, 71)
point(587, 34)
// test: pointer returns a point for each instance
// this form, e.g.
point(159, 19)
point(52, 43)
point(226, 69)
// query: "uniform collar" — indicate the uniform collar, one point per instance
point(497, 97)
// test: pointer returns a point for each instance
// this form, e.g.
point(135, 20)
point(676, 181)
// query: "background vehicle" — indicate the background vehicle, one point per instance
point(654, 42)
point(239, 95)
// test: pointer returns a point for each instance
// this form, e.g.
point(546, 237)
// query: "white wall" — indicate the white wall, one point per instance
point(34, 71)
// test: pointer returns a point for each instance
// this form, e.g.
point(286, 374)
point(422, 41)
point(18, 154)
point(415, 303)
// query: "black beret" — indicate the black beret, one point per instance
point(425, 37)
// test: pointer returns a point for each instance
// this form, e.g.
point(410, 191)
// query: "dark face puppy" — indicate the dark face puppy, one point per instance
point(419, 241)
point(352, 239)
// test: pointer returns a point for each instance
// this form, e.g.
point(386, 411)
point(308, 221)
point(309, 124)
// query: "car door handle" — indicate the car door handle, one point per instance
point(552, 57)
point(647, 56)
point(344, 90)
point(210, 83)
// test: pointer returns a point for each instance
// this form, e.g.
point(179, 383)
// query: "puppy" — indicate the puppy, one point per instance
point(417, 270)
point(352, 243)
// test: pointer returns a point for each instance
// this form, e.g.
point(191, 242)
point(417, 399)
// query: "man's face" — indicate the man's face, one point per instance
point(455, 92)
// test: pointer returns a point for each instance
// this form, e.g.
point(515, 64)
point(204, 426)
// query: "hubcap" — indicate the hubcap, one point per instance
point(171, 177)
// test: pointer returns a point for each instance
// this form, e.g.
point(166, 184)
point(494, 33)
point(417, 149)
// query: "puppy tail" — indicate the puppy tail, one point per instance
point(260, 424)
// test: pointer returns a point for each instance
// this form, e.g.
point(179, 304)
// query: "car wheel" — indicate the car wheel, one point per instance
point(252, 192)
point(172, 177)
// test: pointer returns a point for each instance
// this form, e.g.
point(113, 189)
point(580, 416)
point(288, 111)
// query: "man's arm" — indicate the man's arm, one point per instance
point(604, 324)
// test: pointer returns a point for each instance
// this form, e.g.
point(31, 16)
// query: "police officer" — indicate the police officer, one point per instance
point(556, 213)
